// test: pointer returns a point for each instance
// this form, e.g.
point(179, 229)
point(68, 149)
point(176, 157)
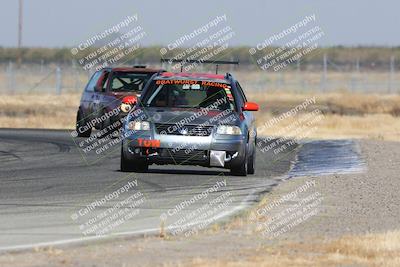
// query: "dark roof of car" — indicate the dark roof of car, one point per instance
point(195, 75)
point(133, 69)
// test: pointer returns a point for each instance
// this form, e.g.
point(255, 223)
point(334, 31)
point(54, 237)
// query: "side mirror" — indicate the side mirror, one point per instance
point(130, 100)
point(97, 88)
point(250, 106)
point(127, 103)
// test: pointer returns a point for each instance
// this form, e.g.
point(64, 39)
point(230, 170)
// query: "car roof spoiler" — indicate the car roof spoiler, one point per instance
point(215, 62)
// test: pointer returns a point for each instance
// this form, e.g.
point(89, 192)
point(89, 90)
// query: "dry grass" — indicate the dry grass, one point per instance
point(378, 127)
point(345, 115)
point(39, 111)
point(341, 103)
point(366, 250)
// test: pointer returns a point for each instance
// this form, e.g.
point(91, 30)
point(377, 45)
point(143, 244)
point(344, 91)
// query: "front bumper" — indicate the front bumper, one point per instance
point(211, 151)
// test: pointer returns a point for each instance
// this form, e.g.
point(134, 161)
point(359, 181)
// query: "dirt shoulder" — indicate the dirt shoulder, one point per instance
point(355, 203)
point(350, 226)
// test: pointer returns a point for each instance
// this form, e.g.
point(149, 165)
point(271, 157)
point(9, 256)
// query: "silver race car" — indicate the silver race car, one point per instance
point(191, 119)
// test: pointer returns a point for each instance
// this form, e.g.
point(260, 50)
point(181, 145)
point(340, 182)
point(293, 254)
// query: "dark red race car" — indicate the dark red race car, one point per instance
point(109, 95)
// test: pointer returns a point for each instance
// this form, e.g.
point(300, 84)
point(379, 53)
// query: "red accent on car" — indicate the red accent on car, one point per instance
point(250, 106)
point(212, 113)
point(149, 143)
point(167, 74)
point(130, 99)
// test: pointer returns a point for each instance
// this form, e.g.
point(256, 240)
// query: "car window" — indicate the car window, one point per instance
point(93, 81)
point(128, 81)
point(104, 82)
point(241, 91)
point(189, 94)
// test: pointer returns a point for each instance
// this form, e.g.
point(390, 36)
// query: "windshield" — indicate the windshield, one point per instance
point(189, 94)
point(128, 81)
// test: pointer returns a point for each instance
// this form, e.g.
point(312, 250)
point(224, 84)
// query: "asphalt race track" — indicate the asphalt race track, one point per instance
point(44, 181)
point(46, 186)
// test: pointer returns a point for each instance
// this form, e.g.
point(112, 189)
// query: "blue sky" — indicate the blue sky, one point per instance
point(56, 23)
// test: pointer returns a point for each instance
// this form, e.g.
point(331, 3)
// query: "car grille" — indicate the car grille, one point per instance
point(182, 155)
point(186, 130)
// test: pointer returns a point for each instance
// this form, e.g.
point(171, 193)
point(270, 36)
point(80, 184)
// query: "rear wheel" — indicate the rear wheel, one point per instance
point(103, 126)
point(128, 165)
point(80, 124)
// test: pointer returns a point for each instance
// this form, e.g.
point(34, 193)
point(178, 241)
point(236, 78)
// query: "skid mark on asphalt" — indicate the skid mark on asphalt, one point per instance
point(8, 156)
point(156, 186)
point(328, 157)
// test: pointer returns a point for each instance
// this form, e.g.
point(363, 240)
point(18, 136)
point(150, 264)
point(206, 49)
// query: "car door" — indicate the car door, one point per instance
point(99, 94)
point(104, 96)
point(89, 95)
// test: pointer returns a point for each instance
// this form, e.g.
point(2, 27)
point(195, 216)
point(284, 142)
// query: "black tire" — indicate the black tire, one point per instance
point(114, 133)
point(251, 162)
point(240, 169)
point(81, 122)
point(126, 165)
point(133, 165)
point(103, 125)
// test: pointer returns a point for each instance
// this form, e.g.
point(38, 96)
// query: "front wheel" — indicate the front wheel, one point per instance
point(80, 123)
point(251, 162)
point(240, 169)
point(128, 165)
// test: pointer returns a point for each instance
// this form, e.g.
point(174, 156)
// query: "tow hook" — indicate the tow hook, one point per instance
point(229, 157)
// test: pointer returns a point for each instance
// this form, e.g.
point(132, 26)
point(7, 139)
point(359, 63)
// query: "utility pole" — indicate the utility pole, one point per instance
point(20, 21)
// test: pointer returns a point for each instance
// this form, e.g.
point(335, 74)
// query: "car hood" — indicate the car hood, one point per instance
point(192, 116)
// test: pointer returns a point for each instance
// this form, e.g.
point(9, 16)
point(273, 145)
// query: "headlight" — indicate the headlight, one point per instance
point(125, 107)
point(227, 129)
point(139, 125)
